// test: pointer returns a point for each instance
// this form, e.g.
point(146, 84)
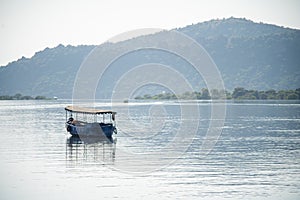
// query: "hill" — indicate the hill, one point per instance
point(250, 55)
point(50, 72)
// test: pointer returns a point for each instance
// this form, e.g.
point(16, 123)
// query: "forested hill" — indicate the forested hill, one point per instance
point(250, 55)
point(50, 72)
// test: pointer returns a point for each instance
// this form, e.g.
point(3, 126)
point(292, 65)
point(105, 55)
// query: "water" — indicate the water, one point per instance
point(257, 155)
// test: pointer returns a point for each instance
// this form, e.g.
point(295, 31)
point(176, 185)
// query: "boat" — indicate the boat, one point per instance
point(82, 122)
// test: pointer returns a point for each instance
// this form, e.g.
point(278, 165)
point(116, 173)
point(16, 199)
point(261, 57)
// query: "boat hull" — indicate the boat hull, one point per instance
point(91, 129)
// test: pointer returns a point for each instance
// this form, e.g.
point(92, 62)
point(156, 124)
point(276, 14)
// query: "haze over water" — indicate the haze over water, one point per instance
point(256, 157)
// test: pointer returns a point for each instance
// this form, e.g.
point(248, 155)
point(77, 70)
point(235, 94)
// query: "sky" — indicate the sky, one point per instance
point(29, 26)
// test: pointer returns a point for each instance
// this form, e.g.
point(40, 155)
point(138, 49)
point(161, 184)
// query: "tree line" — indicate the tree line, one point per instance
point(238, 93)
point(21, 97)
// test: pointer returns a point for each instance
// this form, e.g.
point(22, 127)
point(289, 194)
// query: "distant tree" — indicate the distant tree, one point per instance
point(26, 98)
point(292, 96)
point(228, 95)
point(6, 97)
point(40, 98)
point(238, 92)
point(205, 94)
point(170, 96)
point(298, 92)
point(271, 94)
point(138, 98)
point(262, 95)
point(147, 96)
point(281, 95)
point(17, 96)
point(197, 95)
point(254, 93)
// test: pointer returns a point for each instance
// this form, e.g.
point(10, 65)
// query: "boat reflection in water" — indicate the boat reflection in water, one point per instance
point(90, 150)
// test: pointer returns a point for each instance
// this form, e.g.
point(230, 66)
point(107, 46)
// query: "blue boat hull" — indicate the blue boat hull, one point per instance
point(93, 129)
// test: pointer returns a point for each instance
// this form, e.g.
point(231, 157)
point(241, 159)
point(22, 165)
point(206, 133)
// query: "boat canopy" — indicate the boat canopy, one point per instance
point(84, 110)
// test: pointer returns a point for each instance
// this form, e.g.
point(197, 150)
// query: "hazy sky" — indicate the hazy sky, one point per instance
point(28, 26)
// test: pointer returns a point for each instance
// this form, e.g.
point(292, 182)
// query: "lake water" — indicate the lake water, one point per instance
point(257, 155)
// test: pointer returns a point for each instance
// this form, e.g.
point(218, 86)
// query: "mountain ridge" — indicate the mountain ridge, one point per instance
point(248, 54)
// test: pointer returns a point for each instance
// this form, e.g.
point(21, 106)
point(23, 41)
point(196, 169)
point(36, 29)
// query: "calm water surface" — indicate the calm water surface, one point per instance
point(256, 157)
